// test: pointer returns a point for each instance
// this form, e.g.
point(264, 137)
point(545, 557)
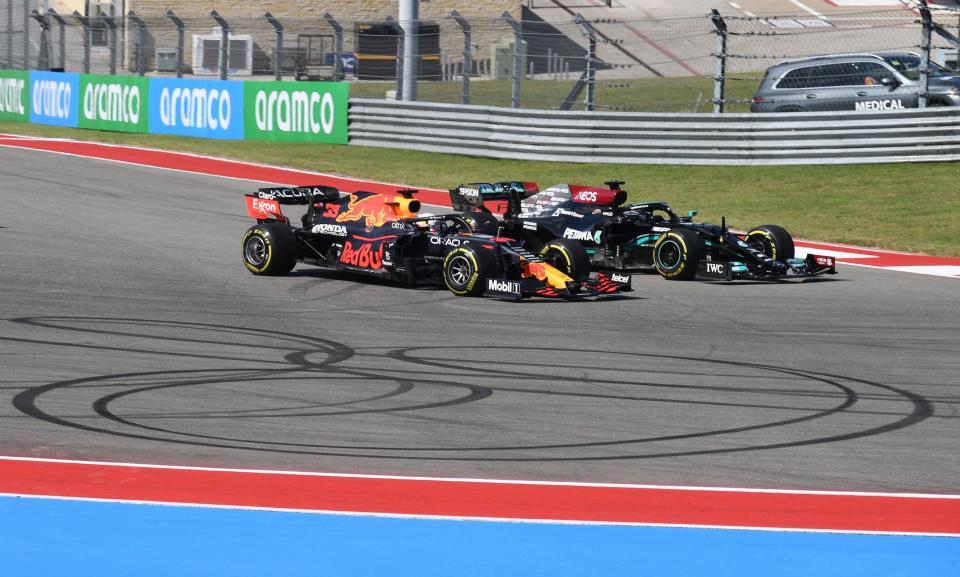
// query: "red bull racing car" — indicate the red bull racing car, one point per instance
point(383, 236)
point(645, 236)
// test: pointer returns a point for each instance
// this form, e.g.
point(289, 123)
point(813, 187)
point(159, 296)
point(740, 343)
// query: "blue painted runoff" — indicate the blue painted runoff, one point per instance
point(61, 538)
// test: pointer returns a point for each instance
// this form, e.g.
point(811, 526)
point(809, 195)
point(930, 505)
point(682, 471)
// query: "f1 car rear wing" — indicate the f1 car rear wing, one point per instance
point(470, 197)
point(265, 203)
point(300, 194)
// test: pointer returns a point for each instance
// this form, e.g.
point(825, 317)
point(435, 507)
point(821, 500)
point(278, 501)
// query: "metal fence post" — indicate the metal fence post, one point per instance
point(720, 75)
point(927, 21)
point(278, 50)
point(399, 31)
point(9, 33)
point(180, 26)
point(26, 34)
point(138, 41)
point(224, 43)
point(337, 46)
point(63, 37)
point(87, 39)
point(590, 76)
point(111, 23)
point(43, 55)
point(517, 63)
point(467, 56)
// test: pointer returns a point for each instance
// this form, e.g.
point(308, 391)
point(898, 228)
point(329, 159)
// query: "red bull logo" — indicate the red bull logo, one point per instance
point(365, 256)
point(372, 208)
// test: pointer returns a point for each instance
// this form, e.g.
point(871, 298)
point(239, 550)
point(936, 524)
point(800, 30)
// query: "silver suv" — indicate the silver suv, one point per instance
point(859, 82)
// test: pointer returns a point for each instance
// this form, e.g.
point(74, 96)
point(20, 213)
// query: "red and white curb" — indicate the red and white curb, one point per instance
point(884, 259)
point(487, 499)
point(241, 170)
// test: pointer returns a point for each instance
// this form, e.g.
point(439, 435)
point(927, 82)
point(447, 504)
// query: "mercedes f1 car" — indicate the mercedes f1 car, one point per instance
point(645, 236)
point(382, 236)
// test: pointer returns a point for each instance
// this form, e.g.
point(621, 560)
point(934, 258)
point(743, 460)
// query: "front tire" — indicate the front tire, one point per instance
point(466, 269)
point(269, 249)
point(772, 240)
point(677, 254)
point(568, 256)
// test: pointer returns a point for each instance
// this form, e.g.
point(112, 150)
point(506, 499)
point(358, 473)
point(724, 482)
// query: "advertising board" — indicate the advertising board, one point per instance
point(296, 112)
point(198, 108)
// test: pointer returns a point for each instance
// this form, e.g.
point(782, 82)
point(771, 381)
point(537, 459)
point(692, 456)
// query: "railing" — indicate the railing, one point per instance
point(931, 134)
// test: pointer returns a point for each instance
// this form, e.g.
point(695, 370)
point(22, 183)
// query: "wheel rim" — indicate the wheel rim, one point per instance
point(669, 255)
point(459, 271)
point(553, 258)
point(762, 243)
point(255, 251)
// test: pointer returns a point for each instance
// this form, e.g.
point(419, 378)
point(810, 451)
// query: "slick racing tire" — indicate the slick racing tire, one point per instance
point(466, 269)
point(677, 254)
point(772, 240)
point(477, 222)
point(568, 256)
point(269, 249)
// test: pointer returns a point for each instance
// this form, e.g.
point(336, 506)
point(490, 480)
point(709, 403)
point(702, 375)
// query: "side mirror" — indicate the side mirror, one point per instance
point(691, 213)
point(890, 82)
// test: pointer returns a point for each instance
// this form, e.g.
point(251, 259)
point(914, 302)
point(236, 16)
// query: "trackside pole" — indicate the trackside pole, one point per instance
point(26, 34)
point(9, 33)
point(139, 28)
point(63, 37)
point(409, 15)
point(278, 50)
point(180, 29)
point(467, 56)
point(720, 74)
point(337, 46)
point(224, 43)
point(590, 73)
point(400, 42)
point(87, 39)
point(43, 57)
point(517, 64)
point(111, 23)
point(927, 21)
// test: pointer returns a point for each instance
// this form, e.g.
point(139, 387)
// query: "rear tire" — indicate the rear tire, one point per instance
point(269, 249)
point(677, 254)
point(466, 269)
point(772, 240)
point(568, 256)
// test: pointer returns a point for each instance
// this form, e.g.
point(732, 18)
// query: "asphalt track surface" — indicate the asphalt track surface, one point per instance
point(130, 331)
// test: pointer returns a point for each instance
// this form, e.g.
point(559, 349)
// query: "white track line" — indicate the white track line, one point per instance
point(808, 9)
point(745, 12)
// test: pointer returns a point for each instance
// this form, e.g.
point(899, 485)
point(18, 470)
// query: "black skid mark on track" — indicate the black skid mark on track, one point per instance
point(321, 361)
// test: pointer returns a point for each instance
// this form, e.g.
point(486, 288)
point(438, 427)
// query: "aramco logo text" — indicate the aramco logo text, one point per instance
point(11, 95)
point(294, 111)
point(51, 98)
point(196, 108)
point(112, 102)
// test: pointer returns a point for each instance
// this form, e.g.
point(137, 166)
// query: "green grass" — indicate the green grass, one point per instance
point(686, 94)
point(910, 207)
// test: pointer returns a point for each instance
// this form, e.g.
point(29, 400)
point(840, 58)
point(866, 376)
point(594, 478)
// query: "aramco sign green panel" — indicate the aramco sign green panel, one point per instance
point(296, 112)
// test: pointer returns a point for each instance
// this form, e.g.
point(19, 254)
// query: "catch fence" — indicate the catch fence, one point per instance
point(528, 59)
